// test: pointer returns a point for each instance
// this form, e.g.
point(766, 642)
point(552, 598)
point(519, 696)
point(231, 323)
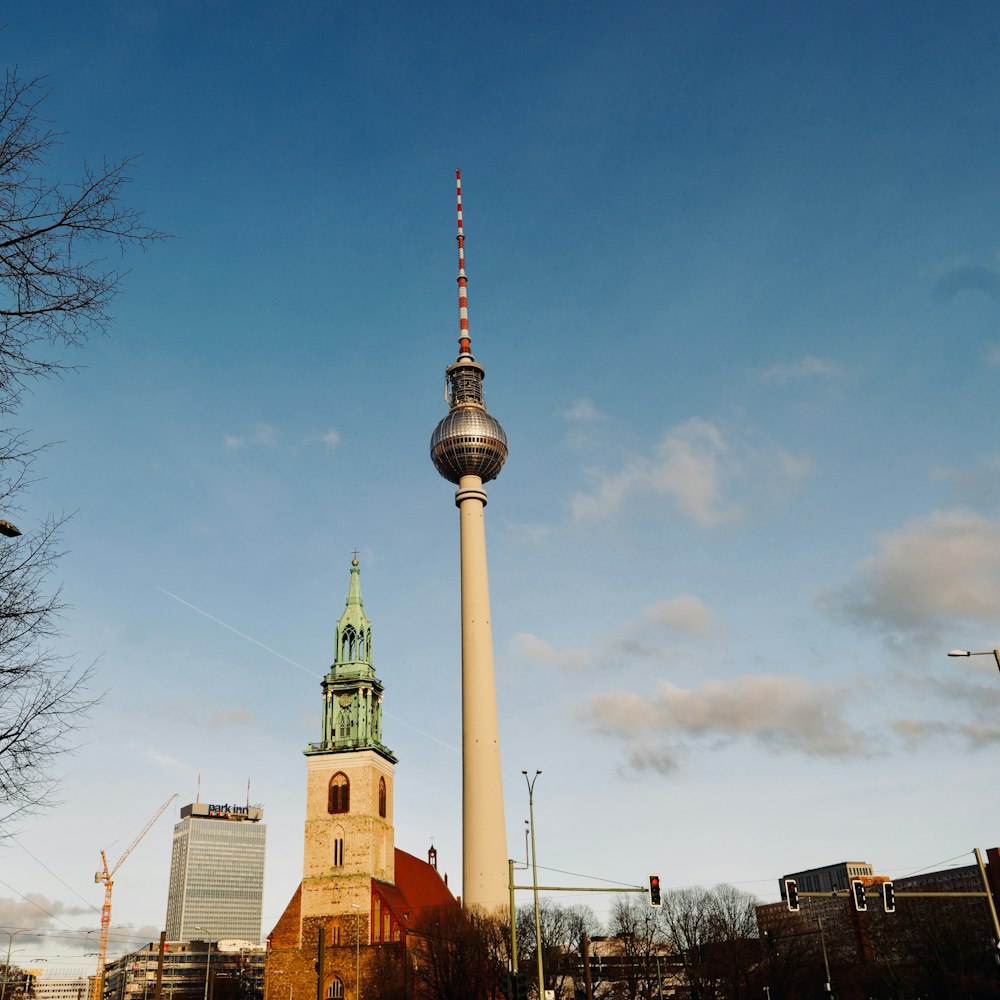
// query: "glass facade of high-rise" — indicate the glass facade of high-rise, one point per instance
point(217, 874)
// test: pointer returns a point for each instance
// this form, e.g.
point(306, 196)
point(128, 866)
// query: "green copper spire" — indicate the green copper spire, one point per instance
point(352, 694)
point(354, 632)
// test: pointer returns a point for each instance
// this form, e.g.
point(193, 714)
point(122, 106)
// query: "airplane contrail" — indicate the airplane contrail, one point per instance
point(281, 656)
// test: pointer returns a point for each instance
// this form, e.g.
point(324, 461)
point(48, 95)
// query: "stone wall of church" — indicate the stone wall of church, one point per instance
point(290, 970)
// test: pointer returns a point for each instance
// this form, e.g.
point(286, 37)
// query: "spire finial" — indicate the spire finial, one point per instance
point(354, 560)
point(464, 340)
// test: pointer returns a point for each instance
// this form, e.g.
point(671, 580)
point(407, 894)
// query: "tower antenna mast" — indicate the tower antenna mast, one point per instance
point(464, 340)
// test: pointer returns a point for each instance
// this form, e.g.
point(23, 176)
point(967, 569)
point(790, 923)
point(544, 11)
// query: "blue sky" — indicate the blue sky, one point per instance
point(734, 277)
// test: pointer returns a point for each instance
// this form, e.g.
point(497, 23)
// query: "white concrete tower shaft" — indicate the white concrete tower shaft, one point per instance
point(468, 448)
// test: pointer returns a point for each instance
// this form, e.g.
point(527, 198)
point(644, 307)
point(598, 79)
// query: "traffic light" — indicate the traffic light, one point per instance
point(520, 986)
point(858, 892)
point(888, 897)
point(654, 891)
point(792, 894)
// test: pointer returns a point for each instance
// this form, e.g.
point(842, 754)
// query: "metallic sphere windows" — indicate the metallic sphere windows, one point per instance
point(469, 442)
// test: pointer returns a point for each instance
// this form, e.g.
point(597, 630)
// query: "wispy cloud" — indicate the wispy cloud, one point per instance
point(976, 704)
point(539, 651)
point(941, 568)
point(709, 474)
point(270, 437)
point(262, 436)
point(804, 368)
point(685, 614)
point(968, 278)
point(646, 636)
point(165, 761)
point(976, 735)
point(976, 487)
point(786, 714)
point(36, 912)
point(583, 411)
point(230, 717)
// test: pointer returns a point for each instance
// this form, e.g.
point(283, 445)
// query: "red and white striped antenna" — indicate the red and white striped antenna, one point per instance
point(464, 341)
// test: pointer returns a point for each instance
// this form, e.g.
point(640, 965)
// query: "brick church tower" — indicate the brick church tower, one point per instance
point(356, 886)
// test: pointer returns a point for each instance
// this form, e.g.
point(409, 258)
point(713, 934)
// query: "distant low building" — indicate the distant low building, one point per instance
point(229, 970)
point(829, 878)
point(62, 988)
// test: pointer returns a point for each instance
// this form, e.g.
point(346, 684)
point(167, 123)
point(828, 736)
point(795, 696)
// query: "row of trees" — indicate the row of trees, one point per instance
point(705, 938)
point(703, 945)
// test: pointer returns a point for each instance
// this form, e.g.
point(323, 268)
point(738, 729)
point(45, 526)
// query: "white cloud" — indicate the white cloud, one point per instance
point(530, 646)
point(262, 436)
point(700, 468)
point(778, 713)
point(584, 411)
point(943, 567)
point(992, 356)
point(807, 367)
point(331, 438)
point(684, 614)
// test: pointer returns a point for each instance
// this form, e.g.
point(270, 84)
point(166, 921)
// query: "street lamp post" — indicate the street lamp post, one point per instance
point(995, 653)
point(357, 954)
point(534, 880)
point(6, 969)
point(828, 989)
point(208, 959)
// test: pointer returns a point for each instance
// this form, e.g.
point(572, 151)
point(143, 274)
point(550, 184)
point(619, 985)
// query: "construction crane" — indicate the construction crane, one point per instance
point(106, 876)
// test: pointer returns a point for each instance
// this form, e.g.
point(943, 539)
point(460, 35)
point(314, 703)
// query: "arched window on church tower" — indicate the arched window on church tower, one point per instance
point(335, 991)
point(381, 797)
point(340, 794)
point(348, 648)
point(344, 725)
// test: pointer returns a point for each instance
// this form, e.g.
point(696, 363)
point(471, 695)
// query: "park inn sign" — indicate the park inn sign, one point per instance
point(220, 811)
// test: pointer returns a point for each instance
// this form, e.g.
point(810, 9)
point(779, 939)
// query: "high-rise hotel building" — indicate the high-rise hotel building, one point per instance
point(217, 874)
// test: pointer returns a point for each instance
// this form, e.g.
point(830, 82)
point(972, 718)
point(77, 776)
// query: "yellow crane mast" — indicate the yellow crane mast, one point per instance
point(106, 876)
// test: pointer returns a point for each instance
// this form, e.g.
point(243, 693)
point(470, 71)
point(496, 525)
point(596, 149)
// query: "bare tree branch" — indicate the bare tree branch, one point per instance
point(55, 292)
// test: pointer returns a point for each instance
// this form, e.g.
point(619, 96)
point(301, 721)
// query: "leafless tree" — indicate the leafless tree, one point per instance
point(457, 956)
point(638, 929)
point(55, 293)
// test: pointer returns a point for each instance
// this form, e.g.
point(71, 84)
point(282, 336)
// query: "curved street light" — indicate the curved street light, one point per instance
point(10, 944)
point(995, 653)
point(534, 880)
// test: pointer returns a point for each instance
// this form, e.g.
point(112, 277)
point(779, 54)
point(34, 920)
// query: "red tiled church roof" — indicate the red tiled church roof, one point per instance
point(420, 884)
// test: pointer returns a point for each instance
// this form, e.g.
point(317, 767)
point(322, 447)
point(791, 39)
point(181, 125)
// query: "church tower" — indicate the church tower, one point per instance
point(358, 889)
point(349, 833)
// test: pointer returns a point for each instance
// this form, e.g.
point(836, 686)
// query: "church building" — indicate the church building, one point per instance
point(358, 890)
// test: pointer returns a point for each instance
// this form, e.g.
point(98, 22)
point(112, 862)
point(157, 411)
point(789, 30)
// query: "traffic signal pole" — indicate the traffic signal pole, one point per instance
point(986, 884)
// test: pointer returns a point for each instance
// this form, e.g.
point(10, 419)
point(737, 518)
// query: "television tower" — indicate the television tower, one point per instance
point(468, 448)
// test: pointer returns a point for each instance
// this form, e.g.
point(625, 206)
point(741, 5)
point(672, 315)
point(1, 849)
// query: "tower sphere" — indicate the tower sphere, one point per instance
point(468, 442)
